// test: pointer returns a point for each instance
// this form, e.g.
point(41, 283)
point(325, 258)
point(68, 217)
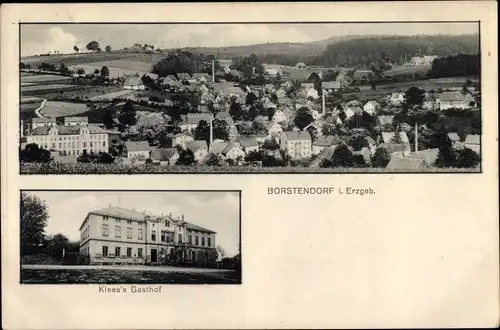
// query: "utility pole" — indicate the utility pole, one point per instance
point(213, 70)
point(416, 137)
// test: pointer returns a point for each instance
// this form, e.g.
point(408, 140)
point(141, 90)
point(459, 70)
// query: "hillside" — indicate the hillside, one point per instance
point(397, 49)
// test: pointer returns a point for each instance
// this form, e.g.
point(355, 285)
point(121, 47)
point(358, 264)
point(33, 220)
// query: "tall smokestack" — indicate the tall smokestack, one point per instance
point(416, 137)
point(211, 131)
point(213, 70)
point(323, 101)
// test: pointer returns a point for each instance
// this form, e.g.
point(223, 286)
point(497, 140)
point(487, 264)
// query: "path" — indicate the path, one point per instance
point(37, 110)
point(163, 269)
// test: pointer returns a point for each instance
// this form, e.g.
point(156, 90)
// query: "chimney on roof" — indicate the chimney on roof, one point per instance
point(182, 216)
point(170, 214)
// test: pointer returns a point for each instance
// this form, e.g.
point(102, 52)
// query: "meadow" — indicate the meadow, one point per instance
point(28, 109)
point(62, 109)
point(47, 87)
point(113, 71)
point(44, 78)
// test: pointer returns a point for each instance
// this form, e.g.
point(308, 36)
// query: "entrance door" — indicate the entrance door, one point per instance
point(154, 255)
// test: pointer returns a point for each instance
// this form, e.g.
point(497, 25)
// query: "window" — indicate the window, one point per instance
point(105, 230)
point(139, 252)
point(163, 236)
point(118, 231)
point(91, 144)
point(103, 143)
point(85, 144)
point(208, 241)
point(153, 235)
point(139, 234)
point(190, 239)
point(167, 223)
point(180, 238)
point(104, 251)
point(203, 241)
point(105, 217)
point(129, 222)
point(117, 251)
point(196, 242)
point(129, 232)
point(129, 252)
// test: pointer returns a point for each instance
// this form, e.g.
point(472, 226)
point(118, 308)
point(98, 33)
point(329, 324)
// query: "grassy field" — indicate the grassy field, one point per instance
point(114, 72)
point(120, 276)
point(59, 168)
point(47, 87)
point(124, 64)
point(57, 109)
point(86, 58)
point(44, 78)
point(28, 110)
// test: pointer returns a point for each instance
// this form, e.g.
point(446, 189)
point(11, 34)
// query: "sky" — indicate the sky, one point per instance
point(217, 211)
point(42, 38)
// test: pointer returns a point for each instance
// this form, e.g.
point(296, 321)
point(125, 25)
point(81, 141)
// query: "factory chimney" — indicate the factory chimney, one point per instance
point(211, 131)
point(323, 106)
point(213, 70)
point(416, 137)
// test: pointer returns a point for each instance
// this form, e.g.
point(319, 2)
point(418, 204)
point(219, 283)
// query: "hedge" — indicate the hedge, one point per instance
point(90, 168)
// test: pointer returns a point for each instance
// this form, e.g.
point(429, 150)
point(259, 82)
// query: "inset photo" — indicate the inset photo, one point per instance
point(130, 237)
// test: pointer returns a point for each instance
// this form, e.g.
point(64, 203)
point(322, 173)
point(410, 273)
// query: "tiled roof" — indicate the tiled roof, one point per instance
point(196, 144)
point(297, 135)
point(454, 137)
point(403, 163)
point(121, 213)
point(183, 75)
point(76, 119)
point(137, 146)
point(67, 130)
point(389, 136)
point(248, 141)
point(133, 81)
point(451, 96)
point(429, 156)
point(191, 226)
point(330, 84)
point(395, 147)
point(43, 120)
point(383, 120)
point(195, 118)
point(163, 153)
point(229, 147)
point(218, 147)
point(372, 103)
point(472, 139)
point(324, 141)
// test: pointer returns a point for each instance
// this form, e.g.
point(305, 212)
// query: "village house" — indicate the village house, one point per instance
point(191, 120)
point(455, 139)
point(180, 139)
point(457, 100)
point(473, 142)
point(274, 129)
point(307, 85)
point(70, 140)
point(41, 122)
point(322, 142)
point(225, 116)
point(397, 98)
point(279, 116)
point(389, 137)
point(183, 76)
point(312, 92)
point(398, 163)
point(361, 76)
point(269, 88)
point(399, 149)
point(233, 151)
point(249, 143)
point(365, 153)
point(286, 85)
point(217, 147)
point(164, 156)
point(343, 79)
point(280, 93)
point(429, 156)
point(326, 153)
point(136, 149)
point(199, 148)
point(298, 144)
point(330, 86)
point(385, 120)
point(202, 77)
point(116, 235)
point(133, 83)
point(417, 61)
point(72, 121)
point(371, 107)
point(272, 69)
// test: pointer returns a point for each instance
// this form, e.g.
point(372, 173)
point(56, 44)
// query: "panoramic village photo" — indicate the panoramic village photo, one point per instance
point(130, 237)
point(250, 98)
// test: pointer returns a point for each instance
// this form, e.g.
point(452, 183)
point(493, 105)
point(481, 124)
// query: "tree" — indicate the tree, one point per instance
point(220, 129)
point(34, 217)
point(93, 46)
point(342, 156)
point(56, 244)
point(96, 71)
point(108, 48)
point(414, 96)
point(381, 157)
point(80, 71)
point(127, 115)
point(303, 118)
point(33, 153)
point(107, 119)
point(397, 138)
point(214, 160)
point(357, 142)
point(467, 158)
point(202, 131)
point(63, 69)
point(236, 111)
point(104, 72)
point(76, 49)
point(186, 158)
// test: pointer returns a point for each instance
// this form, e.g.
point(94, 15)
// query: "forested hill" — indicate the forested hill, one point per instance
point(398, 49)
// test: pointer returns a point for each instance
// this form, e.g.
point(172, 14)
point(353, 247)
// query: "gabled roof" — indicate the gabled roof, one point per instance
point(183, 76)
point(297, 135)
point(388, 137)
point(248, 141)
point(196, 144)
point(76, 119)
point(324, 141)
point(217, 147)
point(365, 153)
point(200, 75)
point(229, 147)
point(395, 147)
point(372, 103)
point(472, 139)
point(163, 153)
point(120, 213)
point(270, 125)
point(330, 84)
point(403, 163)
point(227, 88)
point(133, 81)
point(195, 118)
point(137, 146)
point(454, 137)
point(383, 120)
point(429, 156)
point(451, 96)
point(43, 120)
point(191, 226)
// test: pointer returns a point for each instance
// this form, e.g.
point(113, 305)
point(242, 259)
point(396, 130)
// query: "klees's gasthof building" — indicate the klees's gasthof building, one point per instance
point(116, 235)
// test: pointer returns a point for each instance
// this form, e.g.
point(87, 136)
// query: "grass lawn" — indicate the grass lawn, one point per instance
point(124, 63)
point(87, 58)
point(62, 109)
point(121, 276)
